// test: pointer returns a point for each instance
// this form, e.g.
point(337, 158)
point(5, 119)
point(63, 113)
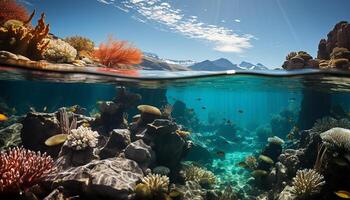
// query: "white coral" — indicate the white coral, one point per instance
point(337, 138)
point(156, 182)
point(307, 182)
point(81, 138)
point(60, 51)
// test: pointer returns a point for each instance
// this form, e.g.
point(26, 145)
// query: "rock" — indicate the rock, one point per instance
point(37, 127)
point(199, 154)
point(10, 136)
point(313, 63)
point(4, 55)
point(113, 178)
point(69, 157)
point(141, 153)
point(118, 140)
point(290, 158)
point(112, 117)
point(322, 52)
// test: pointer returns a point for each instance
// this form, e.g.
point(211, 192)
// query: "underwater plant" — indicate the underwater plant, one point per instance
point(21, 168)
point(81, 138)
point(199, 175)
point(59, 51)
point(12, 10)
point(26, 41)
point(337, 139)
point(306, 183)
point(326, 123)
point(152, 186)
point(116, 53)
point(81, 43)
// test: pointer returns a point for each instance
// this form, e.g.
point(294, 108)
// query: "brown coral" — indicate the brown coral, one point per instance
point(20, 169)
point(24, 40)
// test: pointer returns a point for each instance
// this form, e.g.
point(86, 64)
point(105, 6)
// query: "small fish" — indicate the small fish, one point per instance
point(242, 164)
point(198, 99)
point(291, 99)
point(191, 110)
point(229, 122)
point(266, 159)
point(45, 109)
point(240, 111)
point(203, 107)
point(56, 140)
point(220, 154)
point(259, 173)
point(3, 117)
point(343, 194)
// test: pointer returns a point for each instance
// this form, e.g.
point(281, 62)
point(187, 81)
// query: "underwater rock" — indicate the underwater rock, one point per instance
point(10, 136)
point(118, 140)
point(37, 127)
point(271, 150)
point(69, 157)
point(113, 178)
point(291, 159)
point(169, 147)
point(59, 51)
point(286, 194)
point(141, 153)
point(199, 154)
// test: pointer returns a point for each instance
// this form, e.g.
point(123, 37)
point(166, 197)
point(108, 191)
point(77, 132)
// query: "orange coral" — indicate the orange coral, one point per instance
point(24, 40)
point(115, 53)
point(10, 9)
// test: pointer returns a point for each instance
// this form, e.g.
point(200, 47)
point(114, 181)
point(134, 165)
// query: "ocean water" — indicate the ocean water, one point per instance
point(229, 116)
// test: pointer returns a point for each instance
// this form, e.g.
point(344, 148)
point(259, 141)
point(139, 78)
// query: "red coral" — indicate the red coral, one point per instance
point(115, 53)
point(10, 9)
point(20, 169)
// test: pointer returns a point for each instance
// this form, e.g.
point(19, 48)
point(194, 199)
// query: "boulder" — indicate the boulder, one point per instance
point(113, 178)
point(141, 153)
point(118, 140)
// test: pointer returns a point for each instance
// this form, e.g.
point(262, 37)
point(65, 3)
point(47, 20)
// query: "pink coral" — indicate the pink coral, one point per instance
point(20, 169)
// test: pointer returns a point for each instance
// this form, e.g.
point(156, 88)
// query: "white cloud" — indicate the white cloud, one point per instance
point(222, 39)
point(237, 20)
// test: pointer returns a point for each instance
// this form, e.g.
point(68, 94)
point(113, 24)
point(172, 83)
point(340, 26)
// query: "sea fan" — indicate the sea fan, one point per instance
point(11, 9)
point(20, 169)
point(116, 53)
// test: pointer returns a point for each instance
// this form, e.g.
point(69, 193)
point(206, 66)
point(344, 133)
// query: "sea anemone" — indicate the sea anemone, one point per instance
point(20, 169)
point(12, 10)
point(199, 175)
point(81, 138)
point(337, 139)
point(116, 53)
point(306, 183)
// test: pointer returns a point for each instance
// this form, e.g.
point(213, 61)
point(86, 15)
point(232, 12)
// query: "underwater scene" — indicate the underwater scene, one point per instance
point(242, 101)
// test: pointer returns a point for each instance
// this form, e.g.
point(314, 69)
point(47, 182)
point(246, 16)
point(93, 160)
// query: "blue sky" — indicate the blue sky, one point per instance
point(251, 30)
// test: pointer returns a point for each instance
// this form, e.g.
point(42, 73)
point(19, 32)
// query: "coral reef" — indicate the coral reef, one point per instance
point(12, 10)
point(26, 41)
point(337, 139)
point(306, 183)
point(81, 44)
point(200, 175)
point(59, 51)
point(21, 168)
point(81, 138)
point(152, 185)
point(118, 54)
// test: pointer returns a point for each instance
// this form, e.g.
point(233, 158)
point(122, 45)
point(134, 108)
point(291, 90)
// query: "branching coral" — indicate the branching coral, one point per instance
point(10, 9)
point(306, 183)
point(24, 40)
point(81, 138)
point(326, 123)
point(337, 139)
point(59, 51)
point(199, 175)
point(152, 186)
point(20, 169)
point(116, 53)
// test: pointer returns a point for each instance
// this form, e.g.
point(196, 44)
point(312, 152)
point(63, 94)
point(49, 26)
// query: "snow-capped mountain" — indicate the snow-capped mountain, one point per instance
point(185, 63)
point(250, 66)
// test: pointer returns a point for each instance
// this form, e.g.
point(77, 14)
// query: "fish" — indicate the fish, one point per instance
point(3, 117)
point(203, 107)
point(229, 122)
point(220, 154)
point(198, 99)
point(240, 111)
point(259, 173)
point(343, 194)
point(56, 140)
point(266, 159)
point(291, 99)
point(242, 164)
point(45, 109)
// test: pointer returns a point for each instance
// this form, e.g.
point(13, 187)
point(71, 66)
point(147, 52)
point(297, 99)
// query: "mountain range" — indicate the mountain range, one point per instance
point(152, 61)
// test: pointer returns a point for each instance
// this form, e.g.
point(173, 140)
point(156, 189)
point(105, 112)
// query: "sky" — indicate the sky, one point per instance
point(257, 31)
